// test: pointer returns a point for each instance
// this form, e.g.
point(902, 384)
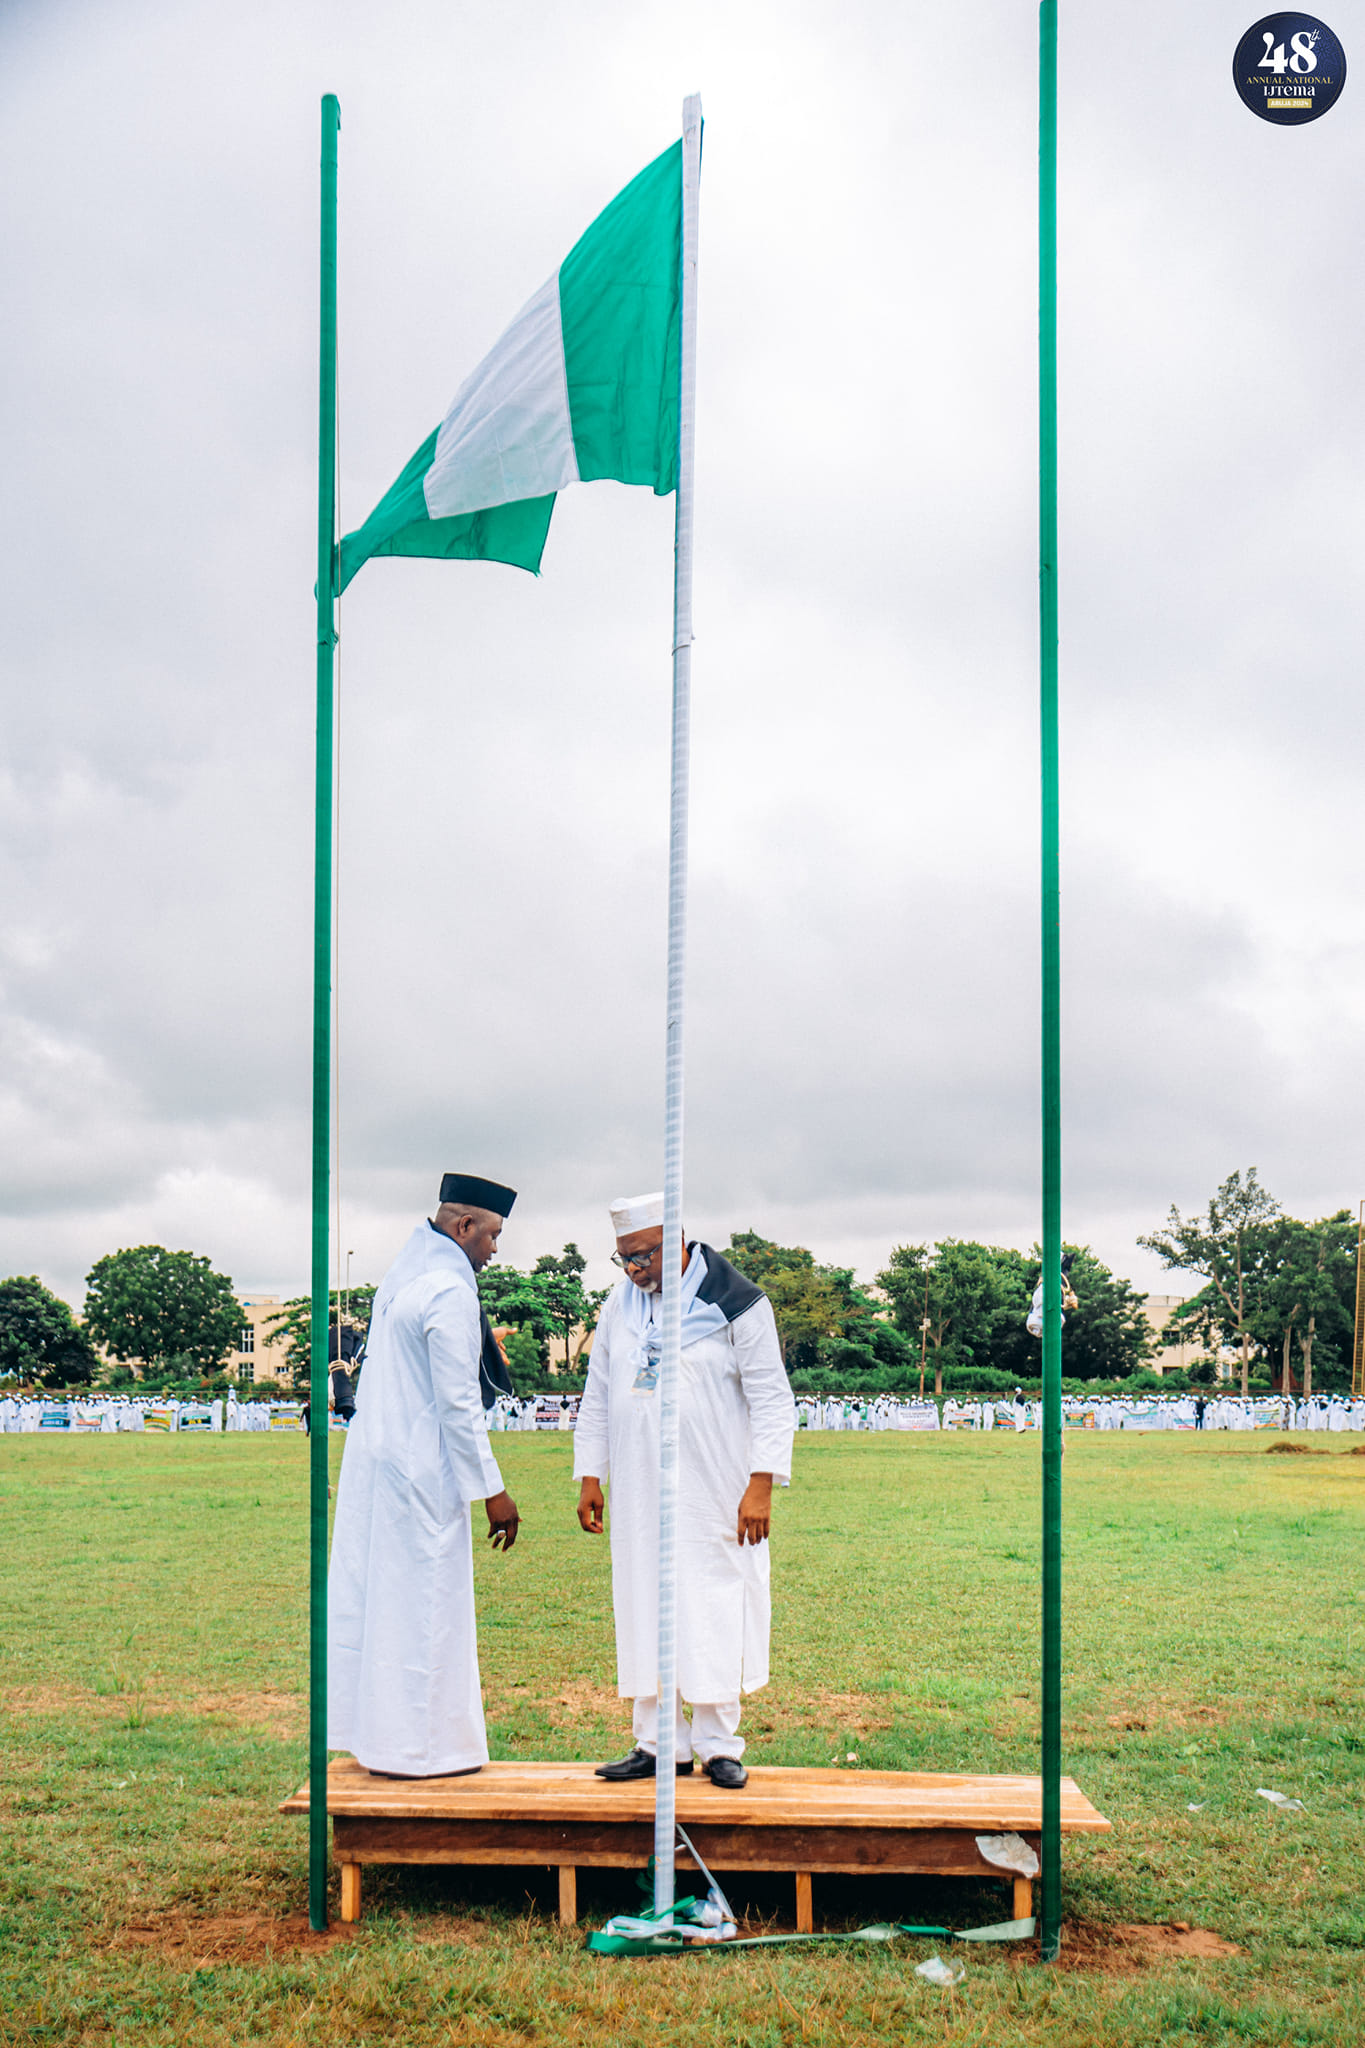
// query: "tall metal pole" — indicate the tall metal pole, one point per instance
point(665, 1787)
point(322, 1040)
point(1051, 937)
point(1358, 1341)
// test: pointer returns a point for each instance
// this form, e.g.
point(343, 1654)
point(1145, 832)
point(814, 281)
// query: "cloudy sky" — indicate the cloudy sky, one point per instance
point(863, 981)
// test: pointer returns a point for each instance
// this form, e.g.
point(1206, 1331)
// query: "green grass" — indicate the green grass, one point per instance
point(152, 1699)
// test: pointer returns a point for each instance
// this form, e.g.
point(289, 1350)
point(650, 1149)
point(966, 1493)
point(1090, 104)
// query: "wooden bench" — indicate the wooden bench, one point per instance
point(560, 1816)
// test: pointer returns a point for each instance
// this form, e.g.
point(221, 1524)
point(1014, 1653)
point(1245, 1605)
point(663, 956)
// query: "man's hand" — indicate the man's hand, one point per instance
point(502, 1520)
point(590, 1506)
point(756, 1508)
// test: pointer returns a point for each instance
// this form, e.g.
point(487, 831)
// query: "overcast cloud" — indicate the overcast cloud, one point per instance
point(864, 987)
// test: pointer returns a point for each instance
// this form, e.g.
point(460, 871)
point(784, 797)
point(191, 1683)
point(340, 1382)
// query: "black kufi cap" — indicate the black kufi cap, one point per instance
point(476, 1193)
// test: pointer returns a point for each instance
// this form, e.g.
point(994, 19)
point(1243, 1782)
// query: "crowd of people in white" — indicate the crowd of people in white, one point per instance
point(103, 1414)
point(1151, 1411)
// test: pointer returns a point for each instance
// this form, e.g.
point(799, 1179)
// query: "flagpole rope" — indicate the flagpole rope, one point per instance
point(665, 1786)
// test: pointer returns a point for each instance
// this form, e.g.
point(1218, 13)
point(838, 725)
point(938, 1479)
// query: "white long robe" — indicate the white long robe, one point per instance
point(403, 1666)
point(736, 1416)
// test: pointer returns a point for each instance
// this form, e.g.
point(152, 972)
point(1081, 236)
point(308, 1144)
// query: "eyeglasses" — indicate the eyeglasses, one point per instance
point(631, 1262)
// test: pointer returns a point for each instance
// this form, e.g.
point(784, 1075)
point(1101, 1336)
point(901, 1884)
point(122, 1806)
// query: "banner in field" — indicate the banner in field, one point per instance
point(917, 1415)
point(159, 1418)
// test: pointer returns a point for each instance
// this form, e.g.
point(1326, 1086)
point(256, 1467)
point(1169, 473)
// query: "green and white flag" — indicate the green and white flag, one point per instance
point(583, 385)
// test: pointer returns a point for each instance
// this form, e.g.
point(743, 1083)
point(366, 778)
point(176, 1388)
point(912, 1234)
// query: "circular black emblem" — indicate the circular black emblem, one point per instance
point(1289, 69)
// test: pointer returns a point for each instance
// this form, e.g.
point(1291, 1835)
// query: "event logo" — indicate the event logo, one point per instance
point(1289, 68)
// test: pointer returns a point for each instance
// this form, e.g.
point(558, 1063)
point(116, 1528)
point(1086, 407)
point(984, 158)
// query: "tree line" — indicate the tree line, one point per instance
point(1277, 1295)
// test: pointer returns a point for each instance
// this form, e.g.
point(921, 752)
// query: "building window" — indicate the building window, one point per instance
point(246, 1373)
point(247, 1341)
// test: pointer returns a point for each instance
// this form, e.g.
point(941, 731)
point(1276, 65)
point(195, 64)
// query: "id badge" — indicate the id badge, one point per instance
point(647, 1372)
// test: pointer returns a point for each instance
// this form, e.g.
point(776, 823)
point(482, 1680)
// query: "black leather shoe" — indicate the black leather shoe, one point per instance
point(727, 1772)
point(639, 1764)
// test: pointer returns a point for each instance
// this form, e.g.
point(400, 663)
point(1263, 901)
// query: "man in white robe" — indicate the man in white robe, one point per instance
point(403, 1667)
point(736, 1423)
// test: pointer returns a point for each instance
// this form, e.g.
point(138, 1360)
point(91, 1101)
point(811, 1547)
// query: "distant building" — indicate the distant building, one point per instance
point(1176, 1357)
point(254, 1359)
point(1181, 1354)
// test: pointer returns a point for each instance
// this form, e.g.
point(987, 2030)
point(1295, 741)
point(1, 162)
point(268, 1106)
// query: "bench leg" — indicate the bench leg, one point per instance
point(1023, 1898)
point(350, 1891)
point(805, 1911)
point(568, 1895)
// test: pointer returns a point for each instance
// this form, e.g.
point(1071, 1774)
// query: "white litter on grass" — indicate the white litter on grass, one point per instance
point(1198, 1807)
point(1278, 1799)
point(1009, 1852)
point(935, 1971)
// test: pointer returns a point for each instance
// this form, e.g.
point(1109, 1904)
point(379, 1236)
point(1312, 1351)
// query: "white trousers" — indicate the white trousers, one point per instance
point(712, 1731)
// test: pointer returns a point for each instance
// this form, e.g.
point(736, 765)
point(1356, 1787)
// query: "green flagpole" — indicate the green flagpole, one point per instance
point(322, 1037)
point(1051, 935)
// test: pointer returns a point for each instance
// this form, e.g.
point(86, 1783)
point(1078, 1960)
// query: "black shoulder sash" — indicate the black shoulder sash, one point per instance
point(725, 1287)
point(494, 1378)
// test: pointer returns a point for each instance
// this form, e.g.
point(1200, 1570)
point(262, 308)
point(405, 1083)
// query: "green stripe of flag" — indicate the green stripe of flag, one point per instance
point(583, 386)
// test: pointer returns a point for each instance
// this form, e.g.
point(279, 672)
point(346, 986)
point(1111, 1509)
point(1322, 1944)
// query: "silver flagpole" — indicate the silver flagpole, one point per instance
point(665, 1784)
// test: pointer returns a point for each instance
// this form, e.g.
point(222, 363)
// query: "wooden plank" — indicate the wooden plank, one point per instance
point(568, 1895)
point(774, 1797)
point(805, 1909)
point(628, 1845)
point(1023, 1898)
point(350, 1891)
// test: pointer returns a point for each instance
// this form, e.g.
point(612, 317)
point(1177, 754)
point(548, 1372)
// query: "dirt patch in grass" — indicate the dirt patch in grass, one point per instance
point(849, 1710)
point(1293, 1451)
point(198, 1943)
point(581, 1700)
point(1165, 1715)
point(279, 1712)
point(58, 1700)
point(1131, 1946)
point(853, 1713)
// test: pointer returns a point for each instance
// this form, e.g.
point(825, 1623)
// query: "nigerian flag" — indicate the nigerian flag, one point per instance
point(583, 385)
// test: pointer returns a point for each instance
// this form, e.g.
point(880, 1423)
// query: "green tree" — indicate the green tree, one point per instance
point(949, 1298)
point(41, 1342)
point(867, 1342)
point(517, 1301)
point(153, 1305)
point(568, 1303)
point(292, 1325)
point(548, 1302)
point(1105, 1337)
point(806, 1298)
point(522, 1352)
point(1227, 1247)
point(1330, 1322)
point(1307, 1293)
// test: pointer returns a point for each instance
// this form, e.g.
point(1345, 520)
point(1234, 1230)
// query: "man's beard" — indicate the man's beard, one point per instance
point(650, 1286)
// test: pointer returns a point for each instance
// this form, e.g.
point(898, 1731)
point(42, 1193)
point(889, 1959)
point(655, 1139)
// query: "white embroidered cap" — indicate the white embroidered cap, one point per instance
point(636, 1212)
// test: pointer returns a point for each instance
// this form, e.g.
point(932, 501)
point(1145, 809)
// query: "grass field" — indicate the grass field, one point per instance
point(153, 1707)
